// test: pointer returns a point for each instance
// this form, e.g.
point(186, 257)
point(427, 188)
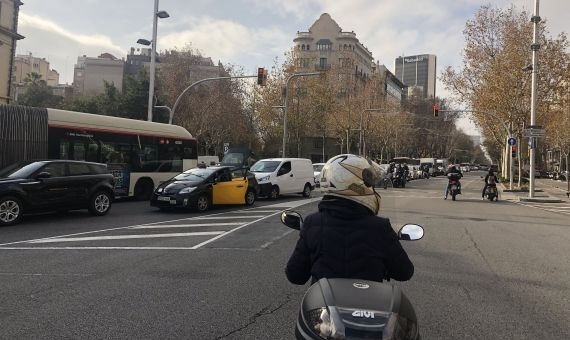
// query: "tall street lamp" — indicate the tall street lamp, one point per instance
point(532, 142)
point(155, 15)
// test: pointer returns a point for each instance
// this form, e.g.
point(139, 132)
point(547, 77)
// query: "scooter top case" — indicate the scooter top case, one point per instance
point(355, 309)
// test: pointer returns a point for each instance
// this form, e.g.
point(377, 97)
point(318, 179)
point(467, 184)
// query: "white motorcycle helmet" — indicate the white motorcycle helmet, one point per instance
point(351, 177)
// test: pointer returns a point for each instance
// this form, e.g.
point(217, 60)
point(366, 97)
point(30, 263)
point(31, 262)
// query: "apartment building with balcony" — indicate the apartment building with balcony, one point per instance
point(325, 44)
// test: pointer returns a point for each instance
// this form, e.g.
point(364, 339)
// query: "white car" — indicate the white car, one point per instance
point(317, 167)
point(277, 176)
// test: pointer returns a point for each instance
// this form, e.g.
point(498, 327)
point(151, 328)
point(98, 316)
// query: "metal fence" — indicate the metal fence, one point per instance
point(23, 134)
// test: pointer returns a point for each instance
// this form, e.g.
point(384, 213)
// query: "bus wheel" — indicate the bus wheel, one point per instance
point(143, 189)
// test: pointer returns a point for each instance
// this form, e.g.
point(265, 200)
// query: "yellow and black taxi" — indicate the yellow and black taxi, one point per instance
point(200, 188)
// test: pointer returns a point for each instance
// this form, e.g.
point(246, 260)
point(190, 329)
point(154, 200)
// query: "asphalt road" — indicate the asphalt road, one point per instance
point(483, 270)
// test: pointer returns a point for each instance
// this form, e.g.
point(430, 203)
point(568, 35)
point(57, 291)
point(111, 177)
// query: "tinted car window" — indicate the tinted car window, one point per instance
point(20, 170)
point(54, 169)
point(285, 168)
point(98, 169)
point(224, 175)
point(78, 169)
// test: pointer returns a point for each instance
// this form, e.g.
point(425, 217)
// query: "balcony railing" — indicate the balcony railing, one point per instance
point(319, 67)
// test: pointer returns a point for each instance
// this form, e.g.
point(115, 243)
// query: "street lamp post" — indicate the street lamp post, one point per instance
point(534, 47)
point(156, 14)
point(285, 106)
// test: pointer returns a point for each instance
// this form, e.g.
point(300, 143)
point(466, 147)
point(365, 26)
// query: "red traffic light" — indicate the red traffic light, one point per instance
point(436, 110)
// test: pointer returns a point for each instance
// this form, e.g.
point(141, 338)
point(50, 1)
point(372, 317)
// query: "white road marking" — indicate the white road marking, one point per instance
point(276, 209)
point(289, 205)
point(104, 230)
point(228, 217)
point(126, 237)
point(294, 204)
point(96, 248)
point(231, 231)
point(163, 226)
point(254, 211)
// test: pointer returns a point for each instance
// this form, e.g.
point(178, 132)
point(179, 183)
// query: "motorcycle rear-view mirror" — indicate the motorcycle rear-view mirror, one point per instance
point(292, 219)
point(411, 232)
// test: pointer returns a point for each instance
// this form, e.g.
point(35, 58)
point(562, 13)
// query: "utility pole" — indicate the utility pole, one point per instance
point(532, 140)
point(152, 61)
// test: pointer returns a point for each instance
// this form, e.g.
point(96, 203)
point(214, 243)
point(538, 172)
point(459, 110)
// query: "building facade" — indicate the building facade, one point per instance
point(138, 60)
point(27, 64)
point(418, 73)
point(393, 90)
point(326, 45)
point(9, 10)
point(90, 74)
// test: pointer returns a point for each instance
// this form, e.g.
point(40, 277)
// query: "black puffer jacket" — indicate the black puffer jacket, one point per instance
point(351, 242)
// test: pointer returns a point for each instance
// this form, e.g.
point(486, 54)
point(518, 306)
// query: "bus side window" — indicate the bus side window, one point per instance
point(64, 149)
point(78, 151)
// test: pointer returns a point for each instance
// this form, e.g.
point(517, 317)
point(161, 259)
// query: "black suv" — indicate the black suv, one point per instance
point(36, 186)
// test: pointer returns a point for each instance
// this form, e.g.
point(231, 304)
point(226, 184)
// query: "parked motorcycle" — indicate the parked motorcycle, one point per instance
point(355, 309)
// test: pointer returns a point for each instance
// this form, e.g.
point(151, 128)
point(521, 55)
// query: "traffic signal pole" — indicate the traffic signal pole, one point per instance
point(197, 83)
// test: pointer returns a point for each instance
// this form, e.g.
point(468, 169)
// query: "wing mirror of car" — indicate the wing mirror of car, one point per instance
point(43, 175)
point(292, 219)
point(411, 232)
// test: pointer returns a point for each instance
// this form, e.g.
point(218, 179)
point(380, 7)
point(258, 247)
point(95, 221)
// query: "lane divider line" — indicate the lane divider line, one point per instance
point(165, 226)
point(126, 237)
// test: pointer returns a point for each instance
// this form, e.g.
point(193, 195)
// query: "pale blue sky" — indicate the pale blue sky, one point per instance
point(252, 33)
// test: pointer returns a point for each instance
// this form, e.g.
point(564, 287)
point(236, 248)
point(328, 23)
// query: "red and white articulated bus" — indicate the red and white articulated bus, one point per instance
point(140, 154)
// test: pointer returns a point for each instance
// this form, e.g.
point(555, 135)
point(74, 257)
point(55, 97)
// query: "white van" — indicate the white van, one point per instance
point(281, 176)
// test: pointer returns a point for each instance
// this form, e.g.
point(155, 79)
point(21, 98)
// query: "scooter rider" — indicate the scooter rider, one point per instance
point(346, 238)
point(454, 172)
point(491, 178)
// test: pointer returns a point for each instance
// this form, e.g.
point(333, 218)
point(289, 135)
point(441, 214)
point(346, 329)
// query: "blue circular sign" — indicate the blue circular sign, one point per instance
point(512, 141)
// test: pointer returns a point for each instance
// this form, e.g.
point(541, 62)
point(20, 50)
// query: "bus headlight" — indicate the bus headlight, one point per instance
point(187, 190)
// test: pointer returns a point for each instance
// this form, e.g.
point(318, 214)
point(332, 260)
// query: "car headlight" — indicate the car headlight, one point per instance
point(264, 178)
point(159, 190)
point(187, 190)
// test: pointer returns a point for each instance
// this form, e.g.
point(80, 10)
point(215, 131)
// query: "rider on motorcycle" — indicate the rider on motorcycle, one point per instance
point(491, 178)
point(346, 238)
point(454, 172)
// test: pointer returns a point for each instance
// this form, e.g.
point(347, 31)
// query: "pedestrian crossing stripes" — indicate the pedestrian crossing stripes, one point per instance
point(560, 208)
point(182, 234)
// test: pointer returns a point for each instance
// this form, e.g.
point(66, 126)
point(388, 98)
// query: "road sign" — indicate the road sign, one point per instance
point(534, 132)
point(512, 141)
point(226, 148)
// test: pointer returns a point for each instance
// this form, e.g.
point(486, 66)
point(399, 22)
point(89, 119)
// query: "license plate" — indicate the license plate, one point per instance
point(163, 198)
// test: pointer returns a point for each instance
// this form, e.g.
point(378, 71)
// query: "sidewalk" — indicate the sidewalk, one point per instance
point(543, 194)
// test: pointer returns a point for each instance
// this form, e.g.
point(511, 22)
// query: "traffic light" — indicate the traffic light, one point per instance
point(436, 110)
point(261, 76)
point(514, 151)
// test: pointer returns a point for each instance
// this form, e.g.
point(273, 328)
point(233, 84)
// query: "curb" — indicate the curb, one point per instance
point(540, 200)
